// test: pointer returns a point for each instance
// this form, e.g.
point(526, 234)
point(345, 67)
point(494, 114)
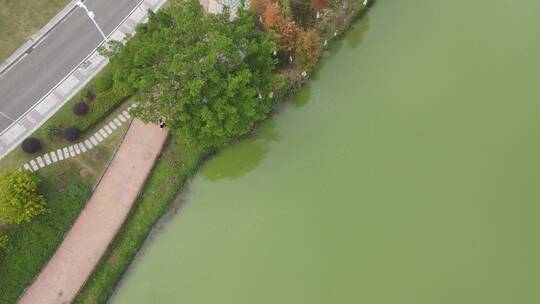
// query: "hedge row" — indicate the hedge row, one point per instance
point(102, 105)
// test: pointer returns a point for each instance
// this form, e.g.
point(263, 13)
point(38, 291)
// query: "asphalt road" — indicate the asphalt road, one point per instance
point(52, 59)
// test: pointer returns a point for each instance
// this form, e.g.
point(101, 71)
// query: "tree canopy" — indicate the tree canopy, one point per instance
point(209, 78)
point(19, 199)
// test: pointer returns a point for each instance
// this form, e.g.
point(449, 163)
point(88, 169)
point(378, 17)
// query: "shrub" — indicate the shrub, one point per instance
point(3, 240)
point(72, 134)
point(31, 145)
point(80, 108)
point(104, 82)
point(307, 49)
point(19, 197)
point(87, 95)
point(303, 13)
point(100, 107)
point(51, 130)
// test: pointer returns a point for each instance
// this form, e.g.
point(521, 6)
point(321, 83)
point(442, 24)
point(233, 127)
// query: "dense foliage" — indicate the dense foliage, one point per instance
point(294, 41)
point(19, 197)
point(3, 240)
point(209, 78)
point(104, 82)
point(307, 49)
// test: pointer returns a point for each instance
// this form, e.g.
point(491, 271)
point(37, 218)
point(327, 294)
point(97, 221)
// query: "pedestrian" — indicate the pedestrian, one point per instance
point(161, 123)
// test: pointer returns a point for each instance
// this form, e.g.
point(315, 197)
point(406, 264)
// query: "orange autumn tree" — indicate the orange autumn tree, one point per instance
point(318, 5)
point(287, 34)
point(258, 6)
point(307, 49)
point(286, 30)
point(272, 16)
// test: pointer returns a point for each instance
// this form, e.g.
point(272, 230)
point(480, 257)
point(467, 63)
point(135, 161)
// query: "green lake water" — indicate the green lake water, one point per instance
point(408, 171)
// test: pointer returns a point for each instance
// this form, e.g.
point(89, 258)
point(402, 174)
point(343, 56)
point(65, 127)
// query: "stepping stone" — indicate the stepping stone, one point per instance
point(99, 137)
point(60, 154)
point(112, 125)
point(34, 165)
point(71, 151)
point(117, 122)
point(122, 118)
point(47, 159)
point(83, 148)
point(126, 114)
point(88, 144)
point(107, 129)
point(93, 140)
point(40, 162)
point(66, 153)
point(53, 157)
point(27, 167)
point(77, 150)
point(103, 133)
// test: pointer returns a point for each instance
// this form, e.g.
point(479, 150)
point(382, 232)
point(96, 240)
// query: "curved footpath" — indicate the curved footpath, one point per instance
point(104, 214)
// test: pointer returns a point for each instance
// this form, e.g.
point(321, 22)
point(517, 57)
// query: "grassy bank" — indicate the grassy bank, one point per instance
point(20, 19)
point(176, 163)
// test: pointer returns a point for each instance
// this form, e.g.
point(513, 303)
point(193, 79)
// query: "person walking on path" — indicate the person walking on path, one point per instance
point(161, 123)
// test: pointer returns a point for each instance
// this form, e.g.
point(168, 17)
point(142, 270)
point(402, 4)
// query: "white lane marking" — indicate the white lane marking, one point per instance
point(3, 114)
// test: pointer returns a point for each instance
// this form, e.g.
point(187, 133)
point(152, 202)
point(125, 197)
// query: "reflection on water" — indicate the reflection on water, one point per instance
point(242, 157)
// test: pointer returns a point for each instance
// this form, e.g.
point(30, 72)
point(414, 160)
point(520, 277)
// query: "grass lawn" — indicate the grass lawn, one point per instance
point(20, 19)
point(67, 185)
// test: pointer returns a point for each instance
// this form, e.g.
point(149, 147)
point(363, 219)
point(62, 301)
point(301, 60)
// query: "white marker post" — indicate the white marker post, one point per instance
point(91, 16)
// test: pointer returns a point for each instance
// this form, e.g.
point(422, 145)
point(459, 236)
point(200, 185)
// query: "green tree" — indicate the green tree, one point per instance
point(208, 77)
point(19, 197)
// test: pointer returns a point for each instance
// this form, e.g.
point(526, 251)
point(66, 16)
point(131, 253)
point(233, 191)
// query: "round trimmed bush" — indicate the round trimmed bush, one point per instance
point(72, 134)
point(104, 83)
point(80, 108)
point(31, 145)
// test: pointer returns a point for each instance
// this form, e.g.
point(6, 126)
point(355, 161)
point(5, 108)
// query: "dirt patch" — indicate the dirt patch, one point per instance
point(112, 259)
point(84, 172)
point(95, 157)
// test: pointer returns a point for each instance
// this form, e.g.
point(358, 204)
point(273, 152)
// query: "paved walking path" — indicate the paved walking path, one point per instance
point(100, 220)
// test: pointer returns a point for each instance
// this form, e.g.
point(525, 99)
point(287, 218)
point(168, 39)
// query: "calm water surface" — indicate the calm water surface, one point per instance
point(407, 172)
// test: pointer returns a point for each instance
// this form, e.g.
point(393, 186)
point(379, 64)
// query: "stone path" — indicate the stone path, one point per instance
point(78, 148)
point(98, 223)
